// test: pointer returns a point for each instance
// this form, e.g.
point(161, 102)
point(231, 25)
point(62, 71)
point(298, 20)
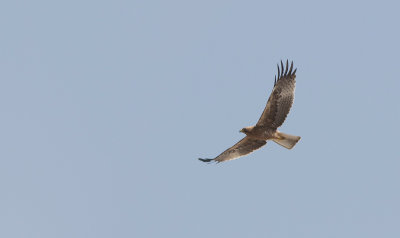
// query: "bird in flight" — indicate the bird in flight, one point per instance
point(278, 106)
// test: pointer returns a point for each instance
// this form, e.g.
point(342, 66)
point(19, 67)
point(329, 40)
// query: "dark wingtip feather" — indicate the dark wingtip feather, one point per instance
point(291, 68)
point(283, 72)
point(278, 71)
point(287, 67)
point(206, 160)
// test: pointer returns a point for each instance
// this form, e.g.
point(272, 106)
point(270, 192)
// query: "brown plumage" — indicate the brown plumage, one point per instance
point(278, 106)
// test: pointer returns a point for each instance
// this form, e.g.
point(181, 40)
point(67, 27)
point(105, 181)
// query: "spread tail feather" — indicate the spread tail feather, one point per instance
point(287, 141)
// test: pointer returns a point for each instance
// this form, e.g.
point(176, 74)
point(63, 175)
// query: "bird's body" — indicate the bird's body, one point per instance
point(260, 132)
point(273, 116)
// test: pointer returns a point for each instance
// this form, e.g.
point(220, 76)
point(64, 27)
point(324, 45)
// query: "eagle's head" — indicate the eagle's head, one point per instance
point(246, 129)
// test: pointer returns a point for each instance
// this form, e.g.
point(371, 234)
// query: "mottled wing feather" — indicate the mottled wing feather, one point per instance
point(243, 147)
point(281, 98)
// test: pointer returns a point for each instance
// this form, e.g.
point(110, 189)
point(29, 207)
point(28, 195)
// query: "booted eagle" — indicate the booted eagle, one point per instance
point(278, 106)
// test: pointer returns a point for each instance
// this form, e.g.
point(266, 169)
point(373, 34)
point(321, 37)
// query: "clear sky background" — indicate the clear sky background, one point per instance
point(106, 106)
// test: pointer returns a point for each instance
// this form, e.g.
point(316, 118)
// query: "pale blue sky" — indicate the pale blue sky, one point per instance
point(106, 106)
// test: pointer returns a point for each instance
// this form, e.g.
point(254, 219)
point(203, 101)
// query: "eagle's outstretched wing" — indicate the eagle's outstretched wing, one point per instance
point(243, 147)
point(281, 99)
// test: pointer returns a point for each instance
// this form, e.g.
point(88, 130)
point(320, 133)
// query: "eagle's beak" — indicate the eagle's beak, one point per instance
point(241, 130)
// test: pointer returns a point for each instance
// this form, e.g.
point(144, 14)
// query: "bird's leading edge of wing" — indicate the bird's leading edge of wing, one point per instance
point(243, 147)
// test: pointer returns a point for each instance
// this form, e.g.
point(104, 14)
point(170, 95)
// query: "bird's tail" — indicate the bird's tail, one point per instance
point(286, 140)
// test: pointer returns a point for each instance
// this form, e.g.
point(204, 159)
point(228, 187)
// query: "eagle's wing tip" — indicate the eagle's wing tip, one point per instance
point(206, 160)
